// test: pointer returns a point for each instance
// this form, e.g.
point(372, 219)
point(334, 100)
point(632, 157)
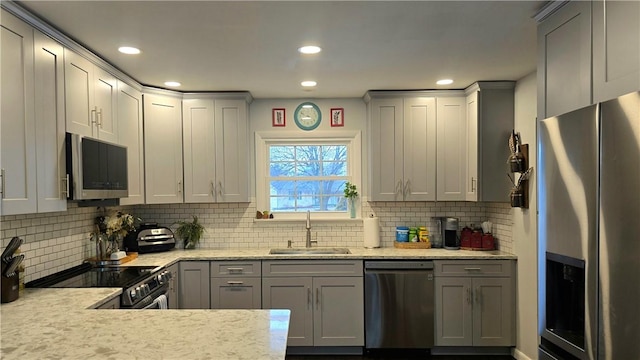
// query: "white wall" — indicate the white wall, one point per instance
point(525, 226)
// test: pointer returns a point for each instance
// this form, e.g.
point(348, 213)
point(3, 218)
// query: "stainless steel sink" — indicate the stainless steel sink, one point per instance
point(309, 251)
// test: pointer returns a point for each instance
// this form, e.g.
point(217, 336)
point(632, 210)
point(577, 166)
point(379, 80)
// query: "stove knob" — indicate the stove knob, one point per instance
point(132, 294)
point(139, 292)
point(160, 279)
point(168, 275)
point(147, 289)
point(143, 289)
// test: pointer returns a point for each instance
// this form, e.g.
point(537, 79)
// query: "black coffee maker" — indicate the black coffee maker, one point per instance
point(447, 227)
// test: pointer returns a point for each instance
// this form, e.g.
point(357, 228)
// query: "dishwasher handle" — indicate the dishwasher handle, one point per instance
point(398, 265)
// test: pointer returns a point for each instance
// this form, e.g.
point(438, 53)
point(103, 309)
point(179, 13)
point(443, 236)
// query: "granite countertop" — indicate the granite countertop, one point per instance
point(169, 257)
point(60, 324)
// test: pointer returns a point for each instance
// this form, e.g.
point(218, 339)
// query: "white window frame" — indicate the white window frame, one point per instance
point(263, 139)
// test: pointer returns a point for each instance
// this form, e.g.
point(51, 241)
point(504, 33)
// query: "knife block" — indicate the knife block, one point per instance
point(9, 286)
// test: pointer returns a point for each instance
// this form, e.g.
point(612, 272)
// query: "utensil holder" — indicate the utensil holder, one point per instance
point(517, 198)
point(9, 286)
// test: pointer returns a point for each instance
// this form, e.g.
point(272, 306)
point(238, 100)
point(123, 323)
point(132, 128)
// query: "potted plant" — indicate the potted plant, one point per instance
point(351, 193)
point(190, 232)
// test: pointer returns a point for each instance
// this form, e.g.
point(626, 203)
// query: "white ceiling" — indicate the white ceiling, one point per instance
point(252, 45)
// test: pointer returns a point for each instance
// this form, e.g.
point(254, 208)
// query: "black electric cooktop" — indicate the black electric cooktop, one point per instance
point(85, 275)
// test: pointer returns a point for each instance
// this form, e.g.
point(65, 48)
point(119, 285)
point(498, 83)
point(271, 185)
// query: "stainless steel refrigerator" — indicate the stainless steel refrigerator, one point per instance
point(589, 232)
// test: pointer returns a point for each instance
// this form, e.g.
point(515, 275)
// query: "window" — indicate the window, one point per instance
point(297, 175)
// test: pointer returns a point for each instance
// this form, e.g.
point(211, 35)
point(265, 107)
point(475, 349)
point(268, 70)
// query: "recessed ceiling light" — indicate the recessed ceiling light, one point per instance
point(444, 82)
point(309, 83)
point(172, 83)
point(129, 50)
point(307, 106)
point(310, 49)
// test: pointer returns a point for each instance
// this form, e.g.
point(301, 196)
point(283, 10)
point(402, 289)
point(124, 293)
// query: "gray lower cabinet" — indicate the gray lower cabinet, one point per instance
point(325, 298)
point(173, 286)
point(475, 303)
point(236, 285)
point(194, 285)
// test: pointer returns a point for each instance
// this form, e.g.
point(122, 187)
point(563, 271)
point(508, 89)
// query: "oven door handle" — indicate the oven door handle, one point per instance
point(160, 302)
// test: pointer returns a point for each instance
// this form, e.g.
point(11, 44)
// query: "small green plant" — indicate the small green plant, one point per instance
point(350, 190)
point(190, 232)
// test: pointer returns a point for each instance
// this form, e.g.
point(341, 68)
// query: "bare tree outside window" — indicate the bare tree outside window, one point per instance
point(308, 177)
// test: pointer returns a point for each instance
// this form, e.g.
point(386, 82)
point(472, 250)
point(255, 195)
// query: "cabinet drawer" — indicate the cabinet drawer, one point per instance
point(235, 268)
point(474, 268)
point(312, 268)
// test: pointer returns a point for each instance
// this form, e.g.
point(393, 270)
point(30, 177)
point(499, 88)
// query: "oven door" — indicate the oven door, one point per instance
point(158, 300)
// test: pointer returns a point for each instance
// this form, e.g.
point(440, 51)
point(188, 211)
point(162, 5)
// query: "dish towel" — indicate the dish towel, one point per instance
point(162, 302)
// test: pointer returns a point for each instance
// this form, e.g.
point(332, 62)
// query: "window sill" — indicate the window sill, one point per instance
point(301, 221)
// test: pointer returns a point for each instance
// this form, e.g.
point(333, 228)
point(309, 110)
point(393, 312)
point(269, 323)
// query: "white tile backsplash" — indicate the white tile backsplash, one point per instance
point(57, 241)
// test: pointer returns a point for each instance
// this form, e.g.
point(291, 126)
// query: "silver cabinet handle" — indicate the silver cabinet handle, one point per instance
point(220, 187)
point(469, 296)
point(235, 282)
point(94, 115)
point(478, 296)
point(179, 186)
point(399, 189)
point(407, 187)
point(472, 269)
point(213, 188)
point(309, 298)
point(235, 270)
point(317, 298)
point(99, 117)
point(473, 184)
point(2, 186)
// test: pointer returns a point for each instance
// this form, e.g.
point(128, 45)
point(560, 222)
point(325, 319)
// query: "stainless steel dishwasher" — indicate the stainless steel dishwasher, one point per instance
point(399, 304)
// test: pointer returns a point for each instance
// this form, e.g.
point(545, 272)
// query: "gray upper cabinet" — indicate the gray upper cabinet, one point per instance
point(216, 158)
point(194, 285)
point(91, 99)
point(403, 149)
point(163, 149)
point(50, 124)
point(17, 127)
point(616, 48)
point(130, 134)
point(490, 114)
point(451, 145)
point(564, 60)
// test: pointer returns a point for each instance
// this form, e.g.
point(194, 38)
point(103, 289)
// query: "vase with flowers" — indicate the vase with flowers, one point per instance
point(115, 225)
point(351, 193)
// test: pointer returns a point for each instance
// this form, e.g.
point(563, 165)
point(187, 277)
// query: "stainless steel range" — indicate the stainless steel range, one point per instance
point(143, 287)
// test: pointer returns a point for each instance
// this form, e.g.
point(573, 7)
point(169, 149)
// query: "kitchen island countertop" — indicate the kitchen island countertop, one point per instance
point(61, 324)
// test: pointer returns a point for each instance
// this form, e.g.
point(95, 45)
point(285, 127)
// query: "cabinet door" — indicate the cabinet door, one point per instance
point(163, 149)
point(50, 123)
point(451, 163)
point(173, 286)
point(199, 150)
point(130, 135)
point(105, 95)
point(78, 86)
point(471, 182)
point(17, 123)
point(338, 318)
point(493, 312)
point(419, 141)
point(386, 158)
point(232, 151)
point(295, 294)
point(453, 311)
point(236, 293)
point(194, 285)
point(616, 48)
point(564, 60)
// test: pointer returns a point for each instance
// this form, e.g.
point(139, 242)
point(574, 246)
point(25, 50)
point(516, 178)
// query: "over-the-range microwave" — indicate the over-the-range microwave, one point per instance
point(97, 169)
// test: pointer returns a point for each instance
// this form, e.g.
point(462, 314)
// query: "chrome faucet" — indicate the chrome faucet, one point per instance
point(308, 227)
